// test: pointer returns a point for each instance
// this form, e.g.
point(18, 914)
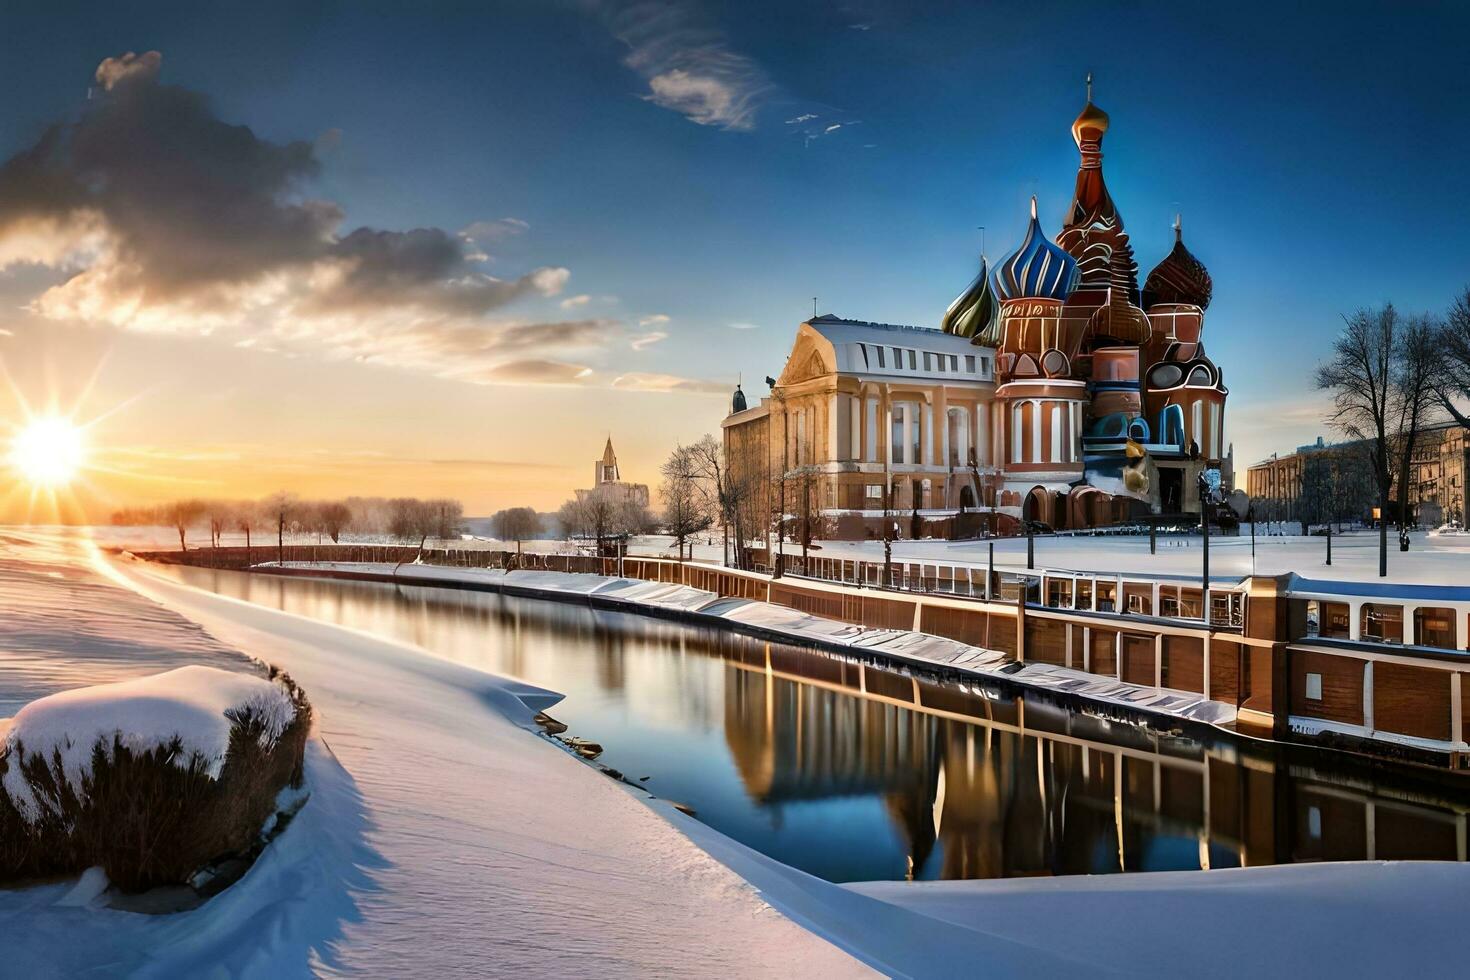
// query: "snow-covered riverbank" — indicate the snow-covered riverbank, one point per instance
point(444, 836)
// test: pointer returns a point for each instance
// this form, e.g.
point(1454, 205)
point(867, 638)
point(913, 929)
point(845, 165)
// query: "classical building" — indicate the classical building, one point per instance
point(606, 479)
point(1437, 473)
point(861, 407)
point(1054, 389)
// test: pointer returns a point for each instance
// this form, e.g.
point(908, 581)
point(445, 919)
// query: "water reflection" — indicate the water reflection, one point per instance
point(856, 772)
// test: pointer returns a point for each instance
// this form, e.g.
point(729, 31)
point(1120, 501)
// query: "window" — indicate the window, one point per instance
point(1314, 822)
point(831, 496)
point(970, 363)
point(1084, 593)
point(984, 365)
point(1434, 627)
point(1383, 623)
point(1059, 593)
point(1139, 599)
point(874, 491)
point(1314, 687)
point(896, 442)
point(1106, 596)
point(912, 360)
point(898, 358)
point(864, 349)
point(1334, 622)
point(928, 361)
point(880, 357)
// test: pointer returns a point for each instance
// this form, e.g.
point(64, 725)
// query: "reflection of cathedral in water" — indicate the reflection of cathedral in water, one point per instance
point(980, 788)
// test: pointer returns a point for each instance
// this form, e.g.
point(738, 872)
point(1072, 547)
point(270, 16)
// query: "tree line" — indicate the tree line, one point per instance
point(1393, 376)
point(408, 519)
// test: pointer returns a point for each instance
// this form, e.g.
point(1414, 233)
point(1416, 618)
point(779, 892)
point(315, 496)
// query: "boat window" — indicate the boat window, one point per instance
point(1383, 622)
point(1434, 627)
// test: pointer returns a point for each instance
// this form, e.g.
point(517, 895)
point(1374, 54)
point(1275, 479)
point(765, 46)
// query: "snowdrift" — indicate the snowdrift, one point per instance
point(152, 779)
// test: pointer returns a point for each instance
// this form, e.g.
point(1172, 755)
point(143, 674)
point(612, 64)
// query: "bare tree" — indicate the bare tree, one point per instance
point(686, 507)
point(410, 518)
point(1360, 374)
point(280, 508)
point(1452, 386)
point(1414, 400)
point(516, 524)
point(334, 517)
point(182, 515)
point(218, 512)
point(446, 519)
point(246, 516)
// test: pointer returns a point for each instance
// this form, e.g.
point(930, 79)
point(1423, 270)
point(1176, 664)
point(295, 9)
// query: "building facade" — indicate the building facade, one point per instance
point(1280, 488)
point(1053, 391)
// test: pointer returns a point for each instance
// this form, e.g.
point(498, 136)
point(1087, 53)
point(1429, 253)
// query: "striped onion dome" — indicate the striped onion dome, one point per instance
point(1038, 269)
point(974, 310)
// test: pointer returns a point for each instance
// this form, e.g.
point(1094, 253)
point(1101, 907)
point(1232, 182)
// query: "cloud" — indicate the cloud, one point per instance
point(150, 213)
point(648, 339)
point(742, 325)
point(574, 301)
point(128, 68)
point(535, 372)
point(804, 117)
point(653, 320)
point(690, 69)
point(640, 381)
point(489, 232)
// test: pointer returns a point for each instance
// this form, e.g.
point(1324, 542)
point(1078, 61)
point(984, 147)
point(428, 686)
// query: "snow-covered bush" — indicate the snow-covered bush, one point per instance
point(152, 778)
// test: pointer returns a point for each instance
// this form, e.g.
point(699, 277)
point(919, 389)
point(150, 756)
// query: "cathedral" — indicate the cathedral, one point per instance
point(1054, 391)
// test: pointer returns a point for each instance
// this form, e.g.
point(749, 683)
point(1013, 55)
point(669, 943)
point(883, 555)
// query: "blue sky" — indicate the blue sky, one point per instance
point(1318, 157)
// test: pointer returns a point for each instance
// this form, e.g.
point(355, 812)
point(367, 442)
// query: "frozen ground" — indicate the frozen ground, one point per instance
point(443, 838)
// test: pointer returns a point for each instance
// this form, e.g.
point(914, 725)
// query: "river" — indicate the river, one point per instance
point(856, 772)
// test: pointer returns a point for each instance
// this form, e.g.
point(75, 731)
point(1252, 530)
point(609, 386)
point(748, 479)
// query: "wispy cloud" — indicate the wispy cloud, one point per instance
point(743, 325)
point(640, 381)
point(653, 320)
point(572, 302)
point(647, 339)
point(690, 68)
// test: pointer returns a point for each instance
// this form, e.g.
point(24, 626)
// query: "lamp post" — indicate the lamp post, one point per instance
point(1204, 523)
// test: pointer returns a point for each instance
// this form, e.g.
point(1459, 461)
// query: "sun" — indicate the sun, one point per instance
point(48, 451)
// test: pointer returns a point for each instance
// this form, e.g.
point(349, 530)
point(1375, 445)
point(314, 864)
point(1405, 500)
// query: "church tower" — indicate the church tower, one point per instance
point(605, 470)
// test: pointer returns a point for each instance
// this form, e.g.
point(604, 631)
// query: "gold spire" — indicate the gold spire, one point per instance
point(1091, 118)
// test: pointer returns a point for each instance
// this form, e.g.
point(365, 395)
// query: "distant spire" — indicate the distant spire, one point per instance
point(1178, 228)
point(1089, 86)
point(1033, 207)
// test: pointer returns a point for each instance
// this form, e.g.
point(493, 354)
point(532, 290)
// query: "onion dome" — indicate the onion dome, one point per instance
point(1091, 123)
point(1038, 269)
point(1180, 278)
point(737, 402)
point(974, 310)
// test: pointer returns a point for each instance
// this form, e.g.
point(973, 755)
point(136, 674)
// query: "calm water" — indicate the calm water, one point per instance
point(855, 772)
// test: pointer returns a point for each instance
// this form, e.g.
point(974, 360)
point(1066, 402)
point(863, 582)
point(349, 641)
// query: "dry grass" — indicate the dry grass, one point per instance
point(144, 818)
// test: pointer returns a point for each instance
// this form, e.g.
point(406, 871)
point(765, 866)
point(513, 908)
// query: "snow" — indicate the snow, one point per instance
point(443, 837)
point(196, 705)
